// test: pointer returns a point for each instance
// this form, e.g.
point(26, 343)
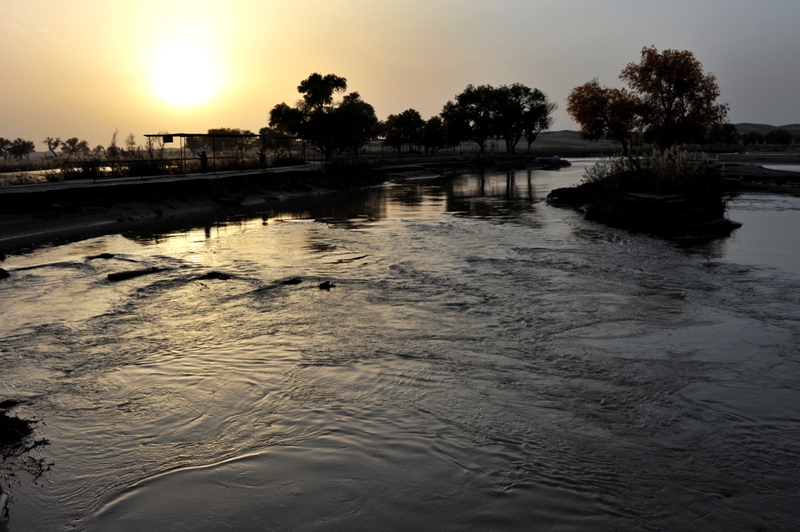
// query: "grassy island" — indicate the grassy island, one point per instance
point(668, 193)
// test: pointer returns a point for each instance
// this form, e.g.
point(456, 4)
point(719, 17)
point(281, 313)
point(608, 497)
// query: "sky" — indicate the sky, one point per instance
point(87, 68)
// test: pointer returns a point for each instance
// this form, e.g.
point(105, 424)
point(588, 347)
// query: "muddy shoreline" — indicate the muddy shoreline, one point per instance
point(47, 214)
point(53, 213)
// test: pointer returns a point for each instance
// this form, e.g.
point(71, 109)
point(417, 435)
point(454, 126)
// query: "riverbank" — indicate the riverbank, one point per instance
point(750, 172)
point(72, 210)
point(32, 215)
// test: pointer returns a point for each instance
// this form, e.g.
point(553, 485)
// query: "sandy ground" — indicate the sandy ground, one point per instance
point(748, 170)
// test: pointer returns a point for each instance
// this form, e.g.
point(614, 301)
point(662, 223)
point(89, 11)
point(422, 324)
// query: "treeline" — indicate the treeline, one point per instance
point(476, 114)
point(776, 137)
point(74, 147)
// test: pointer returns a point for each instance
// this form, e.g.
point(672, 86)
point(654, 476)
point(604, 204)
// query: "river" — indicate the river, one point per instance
point(483, 362)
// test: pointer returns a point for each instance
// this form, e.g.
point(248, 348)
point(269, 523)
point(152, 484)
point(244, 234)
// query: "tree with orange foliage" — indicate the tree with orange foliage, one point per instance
point(604, 113)
point(670, 100)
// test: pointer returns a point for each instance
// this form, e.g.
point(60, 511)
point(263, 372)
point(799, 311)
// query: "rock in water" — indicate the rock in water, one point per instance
point(5, 404)
point(104, 256)
point(214, 275)
point(4, 274)
point(12, 431)
point(122, 276)
point(326, 285)
point(293, 280)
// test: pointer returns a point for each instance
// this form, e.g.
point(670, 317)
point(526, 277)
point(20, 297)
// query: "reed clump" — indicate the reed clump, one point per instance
point(667, 192)
point(672, 171)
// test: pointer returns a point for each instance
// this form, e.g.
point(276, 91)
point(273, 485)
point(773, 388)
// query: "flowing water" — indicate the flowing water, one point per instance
point(484, 362)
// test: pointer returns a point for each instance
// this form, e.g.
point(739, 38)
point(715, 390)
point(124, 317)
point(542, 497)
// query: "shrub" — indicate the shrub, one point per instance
point(657, 193)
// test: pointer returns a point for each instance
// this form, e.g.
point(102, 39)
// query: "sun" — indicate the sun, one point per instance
point(185, 76)
point(184, 61)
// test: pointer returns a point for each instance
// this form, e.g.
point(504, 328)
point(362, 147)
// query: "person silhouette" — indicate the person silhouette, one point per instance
point(203, 162)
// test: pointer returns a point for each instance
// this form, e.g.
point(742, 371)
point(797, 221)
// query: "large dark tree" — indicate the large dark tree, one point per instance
point(331, 127)
point(434, 135)
point(520, 111)
point(670, 100)
point(509, 112)
point(317, 90)
point(74, 146)
point(678, 99)
point(355, 123)
point(471, 116)
point(404, 128)
point(21, 148)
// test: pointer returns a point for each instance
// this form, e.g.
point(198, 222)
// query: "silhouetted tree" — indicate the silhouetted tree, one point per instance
point(678, 100)
point(276, 141)
point(405, 128)
point(471, 116)
point(317, 90)
point(52, 144)
point(538, 119)
point(21, 148)
point(329, 126)
point(287, 120)
point(74, 146)
point(671, 101)
point(5, 146)
point(356, 122)
point(509, 112)
point(236, 141)
point(456, 123)
point(519, 110)
point(723, 134)
point(754, 137)
point(434, 135)
point(195, 143)
point(779, 137)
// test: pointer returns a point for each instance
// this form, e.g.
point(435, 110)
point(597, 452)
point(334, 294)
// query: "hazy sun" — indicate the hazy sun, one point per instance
point(185, 76)
point(184, 53)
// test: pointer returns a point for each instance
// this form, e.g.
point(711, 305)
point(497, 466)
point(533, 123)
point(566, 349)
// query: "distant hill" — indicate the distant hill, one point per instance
point(747, 127)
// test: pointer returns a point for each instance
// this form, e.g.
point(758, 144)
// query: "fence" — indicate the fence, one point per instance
point(192, 153)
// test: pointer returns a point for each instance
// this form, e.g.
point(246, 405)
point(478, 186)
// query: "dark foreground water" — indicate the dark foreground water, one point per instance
point(485, 362)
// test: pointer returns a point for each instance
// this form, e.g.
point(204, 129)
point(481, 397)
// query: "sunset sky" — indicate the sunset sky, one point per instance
point(87, 67)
